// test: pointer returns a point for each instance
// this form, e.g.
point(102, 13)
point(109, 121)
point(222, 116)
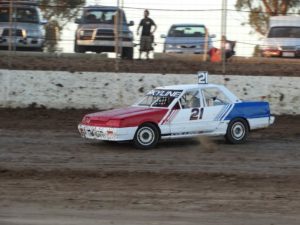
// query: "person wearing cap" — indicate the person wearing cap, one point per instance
point(147, 34)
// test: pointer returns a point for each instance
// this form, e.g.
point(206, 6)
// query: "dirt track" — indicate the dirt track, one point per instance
point(49, 175)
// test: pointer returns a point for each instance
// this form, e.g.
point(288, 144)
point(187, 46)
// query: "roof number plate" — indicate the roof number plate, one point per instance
point(202, 77)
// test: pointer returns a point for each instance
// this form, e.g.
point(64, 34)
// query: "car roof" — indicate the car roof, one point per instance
point(188, 86)
point(101, 7)
point(19, 3)
point(187, 25)
point(185, 87)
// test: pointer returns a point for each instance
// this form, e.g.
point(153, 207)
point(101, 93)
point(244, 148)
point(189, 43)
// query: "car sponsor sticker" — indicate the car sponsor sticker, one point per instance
point(165, 93)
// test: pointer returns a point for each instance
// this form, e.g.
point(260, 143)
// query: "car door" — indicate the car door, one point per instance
point(186, 118)
point(216, 106)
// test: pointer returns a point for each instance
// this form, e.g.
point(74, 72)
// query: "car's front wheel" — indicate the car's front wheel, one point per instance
point(146, 136)
point(79, 49)
point(237, 131)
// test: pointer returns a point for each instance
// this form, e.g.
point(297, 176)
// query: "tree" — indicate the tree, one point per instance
point(59, 13)
point(261, 10)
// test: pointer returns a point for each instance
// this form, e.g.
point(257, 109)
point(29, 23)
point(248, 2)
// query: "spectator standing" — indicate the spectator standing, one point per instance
point(229, 47)
point(146, 39)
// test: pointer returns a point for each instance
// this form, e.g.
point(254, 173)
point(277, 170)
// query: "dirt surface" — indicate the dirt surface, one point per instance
point(181, 65)
point(49, 175)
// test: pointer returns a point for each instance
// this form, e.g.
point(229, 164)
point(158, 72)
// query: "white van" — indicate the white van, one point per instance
point(283, 37)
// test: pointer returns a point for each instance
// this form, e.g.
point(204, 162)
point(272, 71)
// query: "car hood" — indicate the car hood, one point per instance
point(281, 42)
point(25, 26)
point(185, 40)
point(130, 116)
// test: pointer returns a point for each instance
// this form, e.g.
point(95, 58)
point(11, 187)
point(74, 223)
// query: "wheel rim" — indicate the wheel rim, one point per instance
point(238, 131)
point(146, 136)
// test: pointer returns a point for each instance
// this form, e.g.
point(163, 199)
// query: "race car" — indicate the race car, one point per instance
point(179, 111)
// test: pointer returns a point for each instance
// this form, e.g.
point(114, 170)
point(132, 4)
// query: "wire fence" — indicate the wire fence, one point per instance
point(211, 18)
point(220, 20)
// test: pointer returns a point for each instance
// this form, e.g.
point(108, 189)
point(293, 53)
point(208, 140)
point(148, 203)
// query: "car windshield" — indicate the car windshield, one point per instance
point(187, 31)
point(101, 16)
point(160, 98)
point(284, 32)
point(23, 15)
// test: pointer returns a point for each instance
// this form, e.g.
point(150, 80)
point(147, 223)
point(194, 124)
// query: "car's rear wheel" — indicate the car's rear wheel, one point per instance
point(237, 131)
point(146, 136)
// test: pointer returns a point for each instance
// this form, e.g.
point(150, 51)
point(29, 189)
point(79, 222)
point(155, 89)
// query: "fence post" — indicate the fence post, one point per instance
point(205, 45)
point(10, 34)
point(121, 29)
point(117, 29)
point(223, 34)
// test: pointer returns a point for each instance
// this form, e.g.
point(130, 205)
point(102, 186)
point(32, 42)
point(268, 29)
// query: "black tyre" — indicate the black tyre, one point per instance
point(127, 53)
point(38, 49)
point(79, 49)
point(146, 136)
point(237, 131)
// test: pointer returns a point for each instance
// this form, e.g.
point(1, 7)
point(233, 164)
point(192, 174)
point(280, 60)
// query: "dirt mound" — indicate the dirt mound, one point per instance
point(236, 66)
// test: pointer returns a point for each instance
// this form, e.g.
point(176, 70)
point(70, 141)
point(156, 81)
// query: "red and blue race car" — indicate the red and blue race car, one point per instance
point(179, 111)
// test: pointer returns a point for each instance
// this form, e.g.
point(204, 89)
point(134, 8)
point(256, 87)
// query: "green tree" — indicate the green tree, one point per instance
point(59, 13)
point(261, 10)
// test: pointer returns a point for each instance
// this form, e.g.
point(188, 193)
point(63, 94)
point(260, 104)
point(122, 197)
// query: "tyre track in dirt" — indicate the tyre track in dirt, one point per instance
point(62, 150)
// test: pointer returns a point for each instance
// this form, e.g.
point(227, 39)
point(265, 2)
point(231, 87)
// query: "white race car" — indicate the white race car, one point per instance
point(179, 111)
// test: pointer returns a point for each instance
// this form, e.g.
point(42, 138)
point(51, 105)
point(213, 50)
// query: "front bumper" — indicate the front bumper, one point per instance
point(22, 42)
point(185, 50)
point(280, 53)
point(99, 43)
point(107, 133)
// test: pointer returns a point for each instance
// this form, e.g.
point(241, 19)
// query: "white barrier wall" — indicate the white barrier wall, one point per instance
point(55, 89)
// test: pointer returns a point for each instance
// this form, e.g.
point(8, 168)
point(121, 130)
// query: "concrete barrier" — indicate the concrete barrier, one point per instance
point(54, 89)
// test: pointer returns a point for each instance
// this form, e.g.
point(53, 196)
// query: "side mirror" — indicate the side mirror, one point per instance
point(78, 20)
point(44, 21)
point(131, 23)
point(212, 36)
point(163, 36)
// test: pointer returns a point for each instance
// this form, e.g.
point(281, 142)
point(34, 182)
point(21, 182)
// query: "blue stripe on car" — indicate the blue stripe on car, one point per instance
point(220, 113)
point(249, 110)
point(226, 112)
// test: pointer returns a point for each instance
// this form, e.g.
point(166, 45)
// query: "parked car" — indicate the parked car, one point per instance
point(27, 28)
point(96, 31)
point(187, 38)
point(179, 111)
point(283, 37)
